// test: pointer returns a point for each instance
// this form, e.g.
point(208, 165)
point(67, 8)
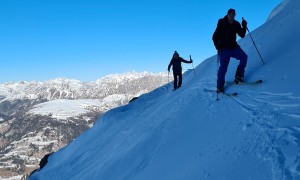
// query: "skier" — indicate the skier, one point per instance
point(177, 69)
point(224, 39)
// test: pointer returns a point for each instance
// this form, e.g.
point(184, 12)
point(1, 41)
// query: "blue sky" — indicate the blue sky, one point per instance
point(87, 39)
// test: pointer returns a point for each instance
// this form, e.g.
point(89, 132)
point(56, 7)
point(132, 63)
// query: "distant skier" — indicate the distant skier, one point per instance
point(224, 39)
point(177, 69)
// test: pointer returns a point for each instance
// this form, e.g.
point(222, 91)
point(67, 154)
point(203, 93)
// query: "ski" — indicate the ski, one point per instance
point(224, 93)
point(229, 94)
point(246, 83)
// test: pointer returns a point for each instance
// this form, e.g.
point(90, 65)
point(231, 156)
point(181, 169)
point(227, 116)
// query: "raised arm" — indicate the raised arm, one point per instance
point(185, 61)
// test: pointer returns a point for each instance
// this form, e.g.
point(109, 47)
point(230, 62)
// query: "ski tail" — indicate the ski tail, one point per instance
point(246, 83)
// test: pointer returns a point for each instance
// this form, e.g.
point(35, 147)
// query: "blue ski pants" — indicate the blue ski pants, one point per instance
point(225, 55)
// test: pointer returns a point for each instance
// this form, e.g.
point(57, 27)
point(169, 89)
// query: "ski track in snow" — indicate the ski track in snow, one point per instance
point(267, 115)
point(247, 147)
point(267, 111)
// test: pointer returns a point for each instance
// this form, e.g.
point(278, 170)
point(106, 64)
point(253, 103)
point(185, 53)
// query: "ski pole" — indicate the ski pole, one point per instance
point(218, 62)
point(193, 65)
point(168, 82)
point(254, 44)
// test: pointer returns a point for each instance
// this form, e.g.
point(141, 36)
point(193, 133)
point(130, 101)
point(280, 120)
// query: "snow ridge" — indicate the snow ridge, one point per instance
point(278, 9)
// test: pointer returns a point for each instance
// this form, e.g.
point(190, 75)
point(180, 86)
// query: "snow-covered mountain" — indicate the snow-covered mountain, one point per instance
point(40, 117)
point(61, 88)
point(187, 134)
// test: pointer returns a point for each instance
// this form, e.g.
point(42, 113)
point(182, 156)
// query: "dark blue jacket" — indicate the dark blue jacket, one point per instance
point(176, 63)
point(224, 36)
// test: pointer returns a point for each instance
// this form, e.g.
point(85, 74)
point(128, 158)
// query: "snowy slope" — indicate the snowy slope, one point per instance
point(187, 134)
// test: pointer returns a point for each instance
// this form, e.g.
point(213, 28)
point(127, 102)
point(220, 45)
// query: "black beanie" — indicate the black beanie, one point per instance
point(176, 53)
point(230, 11)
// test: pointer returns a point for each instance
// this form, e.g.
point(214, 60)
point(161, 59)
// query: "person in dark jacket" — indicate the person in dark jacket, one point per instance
point(177, 69)
point(224, 39)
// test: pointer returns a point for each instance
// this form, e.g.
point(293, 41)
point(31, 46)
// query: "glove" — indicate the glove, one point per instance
point(244, 23)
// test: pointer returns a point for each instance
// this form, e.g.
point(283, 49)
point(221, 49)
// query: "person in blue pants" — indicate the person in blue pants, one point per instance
point(177, 69)
point(224, 39)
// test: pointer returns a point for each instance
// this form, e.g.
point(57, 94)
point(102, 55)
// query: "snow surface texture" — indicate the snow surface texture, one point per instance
point(187, 134)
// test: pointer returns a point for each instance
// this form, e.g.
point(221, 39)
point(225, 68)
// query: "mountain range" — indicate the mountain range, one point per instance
point(37, 118)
